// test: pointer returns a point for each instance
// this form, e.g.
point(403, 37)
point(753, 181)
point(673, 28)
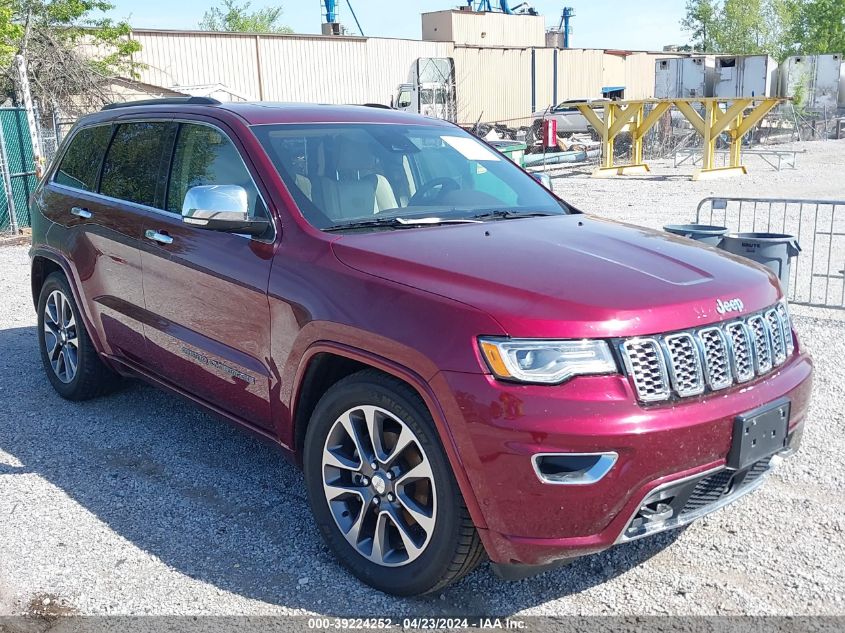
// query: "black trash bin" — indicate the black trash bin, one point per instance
point(704, 233)
point(773, 250)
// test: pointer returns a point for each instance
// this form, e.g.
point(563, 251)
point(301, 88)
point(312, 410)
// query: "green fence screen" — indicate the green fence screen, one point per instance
point(21, 166)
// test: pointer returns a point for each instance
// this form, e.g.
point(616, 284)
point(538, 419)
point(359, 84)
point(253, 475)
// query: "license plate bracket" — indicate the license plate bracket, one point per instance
point(759, 433)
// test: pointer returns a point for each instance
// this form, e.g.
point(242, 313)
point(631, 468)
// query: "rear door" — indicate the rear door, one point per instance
point(100, 236)
point(207, 290)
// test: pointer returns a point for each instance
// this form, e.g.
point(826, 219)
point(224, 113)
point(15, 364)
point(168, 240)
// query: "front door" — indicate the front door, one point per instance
point(206, 291)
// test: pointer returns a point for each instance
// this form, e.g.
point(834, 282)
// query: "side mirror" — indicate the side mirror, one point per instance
point(221, 208)
point(543, 179)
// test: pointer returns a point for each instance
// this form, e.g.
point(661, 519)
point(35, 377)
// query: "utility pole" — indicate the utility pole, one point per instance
point(26, 97)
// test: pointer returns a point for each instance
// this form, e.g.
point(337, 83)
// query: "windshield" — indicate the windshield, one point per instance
point(353, 172)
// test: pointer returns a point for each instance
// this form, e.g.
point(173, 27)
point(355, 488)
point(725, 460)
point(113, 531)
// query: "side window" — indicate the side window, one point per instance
point(206, 156)
point(404, 99)
point(133, 162)
point(80, 165)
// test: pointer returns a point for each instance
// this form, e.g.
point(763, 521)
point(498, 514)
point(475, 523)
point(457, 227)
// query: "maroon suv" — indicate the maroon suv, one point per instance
point(462, 363)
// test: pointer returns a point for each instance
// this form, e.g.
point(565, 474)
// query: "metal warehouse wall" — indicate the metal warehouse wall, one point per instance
point(283, 67)
point(494, 83)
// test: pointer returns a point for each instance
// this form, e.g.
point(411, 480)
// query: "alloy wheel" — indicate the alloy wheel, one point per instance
point(379, 486)
point(60, 336)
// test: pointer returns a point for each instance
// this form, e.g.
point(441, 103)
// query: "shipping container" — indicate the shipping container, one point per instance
point(745, 76)
point(812, 80)
point(684, 77)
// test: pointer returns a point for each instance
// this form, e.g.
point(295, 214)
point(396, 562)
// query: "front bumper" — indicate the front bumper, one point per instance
point(498, 427)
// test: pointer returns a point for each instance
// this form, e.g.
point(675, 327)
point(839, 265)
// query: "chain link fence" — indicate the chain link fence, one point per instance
point(19, 168)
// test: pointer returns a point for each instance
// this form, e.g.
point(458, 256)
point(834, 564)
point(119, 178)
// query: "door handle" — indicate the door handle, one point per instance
point(82, 213)
point(156, 236)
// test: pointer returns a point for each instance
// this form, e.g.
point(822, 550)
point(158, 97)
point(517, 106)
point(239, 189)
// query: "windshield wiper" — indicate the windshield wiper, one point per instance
point(400, 223)
point(507, 214)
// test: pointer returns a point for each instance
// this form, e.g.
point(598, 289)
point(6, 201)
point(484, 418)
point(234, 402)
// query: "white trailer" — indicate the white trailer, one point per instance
point(684, 77)
point(430, 89)
point(745, 76)
point(813, 79)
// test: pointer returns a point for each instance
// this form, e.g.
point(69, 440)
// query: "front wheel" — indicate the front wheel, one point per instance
point(70, 360)
point(382, 491)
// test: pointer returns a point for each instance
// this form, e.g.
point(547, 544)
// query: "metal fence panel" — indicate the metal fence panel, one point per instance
point(20, 163)
point(817, 276)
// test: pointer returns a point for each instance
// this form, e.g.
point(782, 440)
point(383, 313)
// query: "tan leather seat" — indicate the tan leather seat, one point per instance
point(355, 190)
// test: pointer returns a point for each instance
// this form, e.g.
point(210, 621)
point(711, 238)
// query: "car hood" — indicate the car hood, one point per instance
point(566, 276)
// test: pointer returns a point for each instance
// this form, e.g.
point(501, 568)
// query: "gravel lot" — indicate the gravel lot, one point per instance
point(140, 503)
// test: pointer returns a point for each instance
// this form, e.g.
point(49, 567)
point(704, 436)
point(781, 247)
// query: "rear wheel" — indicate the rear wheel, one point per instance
point(70, 360)
point(381, 488)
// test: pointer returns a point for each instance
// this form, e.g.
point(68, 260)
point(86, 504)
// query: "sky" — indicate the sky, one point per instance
point(597, 23)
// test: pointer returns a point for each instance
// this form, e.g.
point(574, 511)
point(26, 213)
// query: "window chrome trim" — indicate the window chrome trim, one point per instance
point(594, 474)
point(164, 212)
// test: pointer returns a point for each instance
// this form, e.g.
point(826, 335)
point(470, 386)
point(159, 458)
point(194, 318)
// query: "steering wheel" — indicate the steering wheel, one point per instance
point(445, 184)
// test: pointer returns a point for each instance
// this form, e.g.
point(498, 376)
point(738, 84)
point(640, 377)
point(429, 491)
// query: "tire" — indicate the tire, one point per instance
point(445, 546)
point(70, 360)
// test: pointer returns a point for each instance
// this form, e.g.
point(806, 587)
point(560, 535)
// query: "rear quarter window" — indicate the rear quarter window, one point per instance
point(80, 164)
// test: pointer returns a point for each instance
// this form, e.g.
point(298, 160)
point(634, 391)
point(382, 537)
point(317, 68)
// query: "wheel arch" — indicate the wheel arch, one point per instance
point(330, 362)
point(44, 263)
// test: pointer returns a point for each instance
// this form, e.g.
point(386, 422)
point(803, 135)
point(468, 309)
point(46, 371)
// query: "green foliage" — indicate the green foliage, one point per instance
point(700, 22)
point(234, 17)
point(775, 27)
point(56, 38)
point(819, 26)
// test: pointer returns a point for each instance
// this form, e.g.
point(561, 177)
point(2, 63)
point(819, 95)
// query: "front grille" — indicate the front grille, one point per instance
point(688, 363)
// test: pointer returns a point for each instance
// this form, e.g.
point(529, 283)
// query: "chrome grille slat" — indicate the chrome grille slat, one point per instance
point(741, 353)
point(685, 369)
point(777, 337)
point(717, 364)
point(645, 363)
point(762, 345)
point(690, 362)
point(787, 329)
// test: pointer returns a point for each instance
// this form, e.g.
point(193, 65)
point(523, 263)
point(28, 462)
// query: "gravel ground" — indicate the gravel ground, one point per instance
point(139, 503)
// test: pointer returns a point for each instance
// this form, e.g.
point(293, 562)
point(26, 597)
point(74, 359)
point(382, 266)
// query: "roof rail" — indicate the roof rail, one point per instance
point(163, 101)
point(377, 105)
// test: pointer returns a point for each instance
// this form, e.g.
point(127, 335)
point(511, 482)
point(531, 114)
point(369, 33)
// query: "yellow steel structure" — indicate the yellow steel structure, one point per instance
point(736, 117)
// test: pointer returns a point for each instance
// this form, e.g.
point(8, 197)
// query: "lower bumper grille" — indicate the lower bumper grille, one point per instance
point(679, 503)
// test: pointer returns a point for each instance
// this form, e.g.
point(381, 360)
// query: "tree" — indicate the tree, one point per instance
point(818, 26)
point(700, 22)
point(71, 50)
point(237, 18)
point(746, 27)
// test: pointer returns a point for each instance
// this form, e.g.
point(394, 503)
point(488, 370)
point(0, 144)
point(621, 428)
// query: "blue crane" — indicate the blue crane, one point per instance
point(503, 7)
point(565, 17)
point(331, 13)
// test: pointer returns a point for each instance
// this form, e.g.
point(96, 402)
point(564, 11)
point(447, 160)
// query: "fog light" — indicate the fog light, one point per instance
point(573, 469)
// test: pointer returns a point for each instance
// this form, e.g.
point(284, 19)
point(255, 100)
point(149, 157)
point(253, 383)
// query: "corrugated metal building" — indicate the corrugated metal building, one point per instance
point(503, 70)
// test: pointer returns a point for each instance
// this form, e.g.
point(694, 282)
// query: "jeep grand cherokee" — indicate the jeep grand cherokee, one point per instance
point(462, 363)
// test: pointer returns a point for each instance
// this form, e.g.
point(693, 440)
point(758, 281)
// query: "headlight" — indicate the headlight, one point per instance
point(549, 362)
